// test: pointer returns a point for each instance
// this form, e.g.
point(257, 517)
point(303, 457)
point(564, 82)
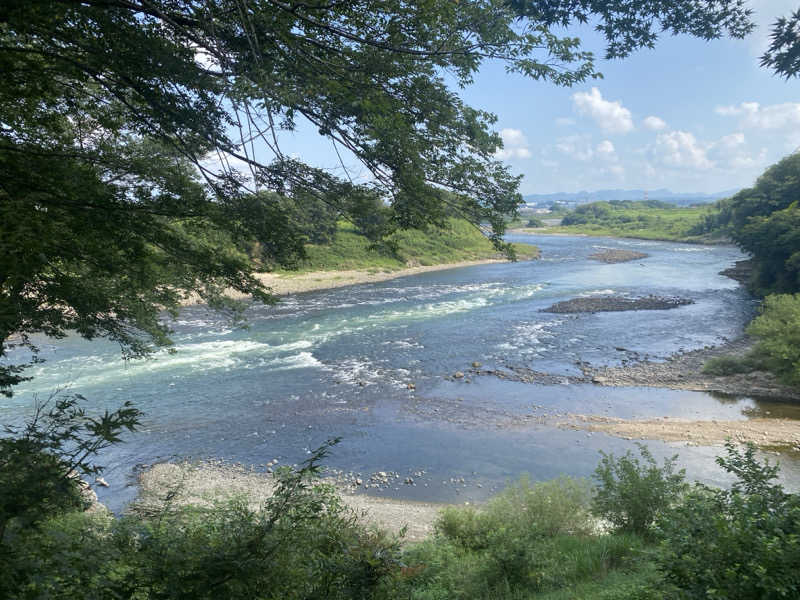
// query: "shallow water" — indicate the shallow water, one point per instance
point(337, 363)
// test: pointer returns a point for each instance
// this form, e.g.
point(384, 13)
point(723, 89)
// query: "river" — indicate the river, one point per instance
point(337, 363)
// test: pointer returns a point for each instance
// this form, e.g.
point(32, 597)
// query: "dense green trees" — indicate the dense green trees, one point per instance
point(777, 330)
point(764, 220)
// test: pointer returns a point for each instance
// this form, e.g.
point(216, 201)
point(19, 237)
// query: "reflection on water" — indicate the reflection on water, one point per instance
point(339, 363)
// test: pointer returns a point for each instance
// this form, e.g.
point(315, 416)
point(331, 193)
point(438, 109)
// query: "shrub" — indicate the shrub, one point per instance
point(542, 509)
point(631, 493)
point(732, 365)
point(739, 543)
point(777, 330)
point(532, 536)
point(302, 543)
point(441, 569)
point(40, 462)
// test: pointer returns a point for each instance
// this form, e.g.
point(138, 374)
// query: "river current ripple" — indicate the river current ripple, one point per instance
point(337, 363)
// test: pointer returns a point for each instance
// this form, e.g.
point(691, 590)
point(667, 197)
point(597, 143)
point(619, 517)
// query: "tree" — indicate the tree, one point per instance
point(40, 464)
point(764, 220)
point(742, 542)
point(783, 54)
point(122, 122)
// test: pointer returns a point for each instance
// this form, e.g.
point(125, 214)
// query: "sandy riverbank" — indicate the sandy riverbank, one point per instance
point(763, 432)
point(284, 284)
point(685, 372)
point(212, 482)
point(294, 283)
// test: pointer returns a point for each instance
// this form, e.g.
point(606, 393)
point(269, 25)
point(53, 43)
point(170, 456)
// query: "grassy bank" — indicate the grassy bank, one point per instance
point(642, 220)
point(457, 242)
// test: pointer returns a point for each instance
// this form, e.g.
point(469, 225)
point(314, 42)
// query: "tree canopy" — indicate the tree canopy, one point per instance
point(764, 220)
point(140, 140)
point(783, 54)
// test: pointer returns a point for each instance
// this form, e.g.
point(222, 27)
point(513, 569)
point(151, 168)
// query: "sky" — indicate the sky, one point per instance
point(688, 115)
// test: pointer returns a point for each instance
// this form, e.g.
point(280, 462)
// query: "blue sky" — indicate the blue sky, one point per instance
point(688, 115)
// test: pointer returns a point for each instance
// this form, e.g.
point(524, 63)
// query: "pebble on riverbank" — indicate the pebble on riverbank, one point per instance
point(211, 482)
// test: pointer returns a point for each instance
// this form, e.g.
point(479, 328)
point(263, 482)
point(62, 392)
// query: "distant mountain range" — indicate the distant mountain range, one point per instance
point(664, 195)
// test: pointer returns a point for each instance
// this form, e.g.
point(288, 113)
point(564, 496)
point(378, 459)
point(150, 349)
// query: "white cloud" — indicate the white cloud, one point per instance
point(654, 123)
point(681, 149)
point(606, 149)
point(515, 145)
point(784, 116)
point(617, 170)
point(580, 147)
point(575, 146)
point(731, 152)
point(745, 108)
point(610, 116)
point(732, 141)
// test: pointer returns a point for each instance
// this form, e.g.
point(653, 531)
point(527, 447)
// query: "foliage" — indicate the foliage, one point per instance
point(765, 221)
point(530, 538)
point(534, 222)
point(732, 365)
point(457, 241)
point(632, 494)
point(777, 331)
point(141, 141)
point(774, 243)
point(531, 541)
point(41, 462)
point(651, 219)
point(302, 543)
point(442, 569)
point(543, 509)
point(738, 543)
point(783, 54)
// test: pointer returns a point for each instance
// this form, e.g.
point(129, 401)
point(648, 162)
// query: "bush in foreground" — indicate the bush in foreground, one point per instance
point(777, 330)
point(530, 539)
point(302, 543)
point(632, 494)
point(534, 540)
point(739, 543)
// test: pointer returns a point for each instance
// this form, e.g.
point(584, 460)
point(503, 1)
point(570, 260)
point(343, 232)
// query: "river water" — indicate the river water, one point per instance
point(338, 363)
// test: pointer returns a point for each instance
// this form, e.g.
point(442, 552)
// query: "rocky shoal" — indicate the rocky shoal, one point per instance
point(616, 304)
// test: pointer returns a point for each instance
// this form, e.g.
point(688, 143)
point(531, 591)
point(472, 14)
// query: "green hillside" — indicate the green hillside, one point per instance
point(651, 220)
point(458, 241)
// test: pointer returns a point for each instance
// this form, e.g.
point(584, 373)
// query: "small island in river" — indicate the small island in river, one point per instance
point(592, 304)
point(617, 255)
